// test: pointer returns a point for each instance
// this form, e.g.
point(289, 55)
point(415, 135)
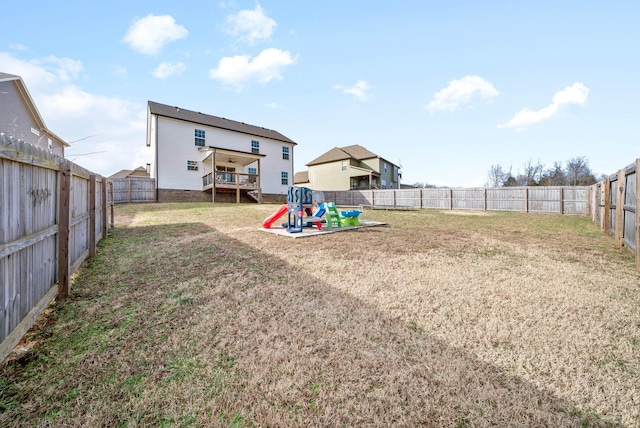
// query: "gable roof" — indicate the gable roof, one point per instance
point(215, 122)
point(126, 173)
point(22, 88)
point(355, 151)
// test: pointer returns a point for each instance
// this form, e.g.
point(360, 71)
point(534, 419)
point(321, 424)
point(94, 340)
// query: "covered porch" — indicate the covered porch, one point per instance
point(229, 171)
point(364, 180)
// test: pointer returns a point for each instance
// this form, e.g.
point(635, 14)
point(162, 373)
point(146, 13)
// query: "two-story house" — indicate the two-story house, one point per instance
point(20, 119)
point(199, 157)
point(349, 168)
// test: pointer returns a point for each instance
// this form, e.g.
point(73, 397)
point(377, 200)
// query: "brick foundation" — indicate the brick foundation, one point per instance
point(177, 195)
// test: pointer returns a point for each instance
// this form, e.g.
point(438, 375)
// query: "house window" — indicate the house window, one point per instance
point(199, 137)
point(192, 165)
point(344, 165)
point(285, 153)
point(255, 147)
point(253, 171)
point(284, 177)
point(384, 165)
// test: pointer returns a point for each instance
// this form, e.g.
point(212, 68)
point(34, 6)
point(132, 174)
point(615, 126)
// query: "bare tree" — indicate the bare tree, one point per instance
point(532, 173)
point(578, 172)
point(554, 176)
point(496, 176)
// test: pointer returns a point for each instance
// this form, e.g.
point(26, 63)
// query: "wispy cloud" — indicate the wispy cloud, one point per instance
point(574, 94)
point(150, 34)
point(360, 90)
point(461, 92)
point(251, 26)
point(240, 70)
point(18, 47)
point(167, 69)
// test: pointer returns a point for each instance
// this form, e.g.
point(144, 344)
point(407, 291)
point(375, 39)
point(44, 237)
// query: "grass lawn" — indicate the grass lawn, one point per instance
point(190, 316)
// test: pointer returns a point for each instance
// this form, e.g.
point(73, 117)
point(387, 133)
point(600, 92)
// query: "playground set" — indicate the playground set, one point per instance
point(300, 206)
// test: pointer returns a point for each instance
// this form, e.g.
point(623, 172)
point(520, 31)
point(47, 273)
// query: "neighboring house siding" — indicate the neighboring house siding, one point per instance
point(329, 176)
point(17, 120)
point(176, 146)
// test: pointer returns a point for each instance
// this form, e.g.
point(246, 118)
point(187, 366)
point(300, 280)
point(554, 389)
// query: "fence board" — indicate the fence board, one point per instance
point(133, 189)
point(34, 253)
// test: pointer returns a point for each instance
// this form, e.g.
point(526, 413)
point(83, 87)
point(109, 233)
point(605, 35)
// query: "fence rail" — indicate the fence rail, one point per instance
point(561, 200)
point(52, 214)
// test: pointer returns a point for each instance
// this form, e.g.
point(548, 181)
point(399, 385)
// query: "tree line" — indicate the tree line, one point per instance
point(574, 172)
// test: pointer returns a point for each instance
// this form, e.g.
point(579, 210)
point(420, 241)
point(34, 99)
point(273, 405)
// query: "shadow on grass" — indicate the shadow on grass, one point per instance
point(181, 325)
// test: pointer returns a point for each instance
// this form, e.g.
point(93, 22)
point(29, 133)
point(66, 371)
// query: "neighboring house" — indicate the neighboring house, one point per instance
point(202, 157)
point(20, 119)
point(350, 168)
point(140, 172)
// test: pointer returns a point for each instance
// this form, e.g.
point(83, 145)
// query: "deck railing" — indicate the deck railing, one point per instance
point(231, 180)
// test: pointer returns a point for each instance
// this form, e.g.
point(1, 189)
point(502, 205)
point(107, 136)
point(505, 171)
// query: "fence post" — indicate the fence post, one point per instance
point(92, 215)
point(64, 216)
point(607, 206)
point(451, 199)
point(526, 199)
point(104, 207)
point(484, 199)
point(620, 208)
point(111, 194)
point(638, 213)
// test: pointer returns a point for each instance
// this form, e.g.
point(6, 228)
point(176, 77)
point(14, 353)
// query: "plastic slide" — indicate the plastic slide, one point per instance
point(320, 211)
point(282, 210)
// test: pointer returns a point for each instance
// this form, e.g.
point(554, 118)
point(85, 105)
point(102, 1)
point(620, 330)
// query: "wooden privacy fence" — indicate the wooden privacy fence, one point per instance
point(133, 189)
point(616, 210)
point(561, 200)
point(52, 214)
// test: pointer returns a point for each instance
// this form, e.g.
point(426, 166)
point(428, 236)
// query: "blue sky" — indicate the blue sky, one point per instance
point(446, 89)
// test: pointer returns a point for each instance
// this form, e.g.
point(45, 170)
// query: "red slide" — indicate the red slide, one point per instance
point(282, 210)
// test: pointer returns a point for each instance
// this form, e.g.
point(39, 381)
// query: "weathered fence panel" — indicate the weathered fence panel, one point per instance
point(134, 189)
point(32, 246)
point(562, 200)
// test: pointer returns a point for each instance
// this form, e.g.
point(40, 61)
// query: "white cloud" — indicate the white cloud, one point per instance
point(274, 106)
point(461, 92)
point(116, 126)
point(574, 94)
point(150, 34)
point(251, 25)
point(238, 71)
point(18, 47)
point(167, 69)
point(360, 90)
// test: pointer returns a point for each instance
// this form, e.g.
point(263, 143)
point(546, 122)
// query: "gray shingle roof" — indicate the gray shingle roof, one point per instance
point(7, 76)
point(343, 153)
point(215, 121)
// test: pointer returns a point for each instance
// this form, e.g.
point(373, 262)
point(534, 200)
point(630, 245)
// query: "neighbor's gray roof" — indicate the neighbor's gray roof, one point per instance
point(343, 153)
point(215, 121)
point(125, 173)
point(301, 177)
point(7, 76)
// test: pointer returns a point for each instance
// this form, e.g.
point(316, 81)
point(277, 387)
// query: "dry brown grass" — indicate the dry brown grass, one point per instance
point(189, 316)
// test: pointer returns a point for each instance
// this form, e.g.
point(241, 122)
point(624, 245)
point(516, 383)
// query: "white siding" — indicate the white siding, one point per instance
point(176, 145)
